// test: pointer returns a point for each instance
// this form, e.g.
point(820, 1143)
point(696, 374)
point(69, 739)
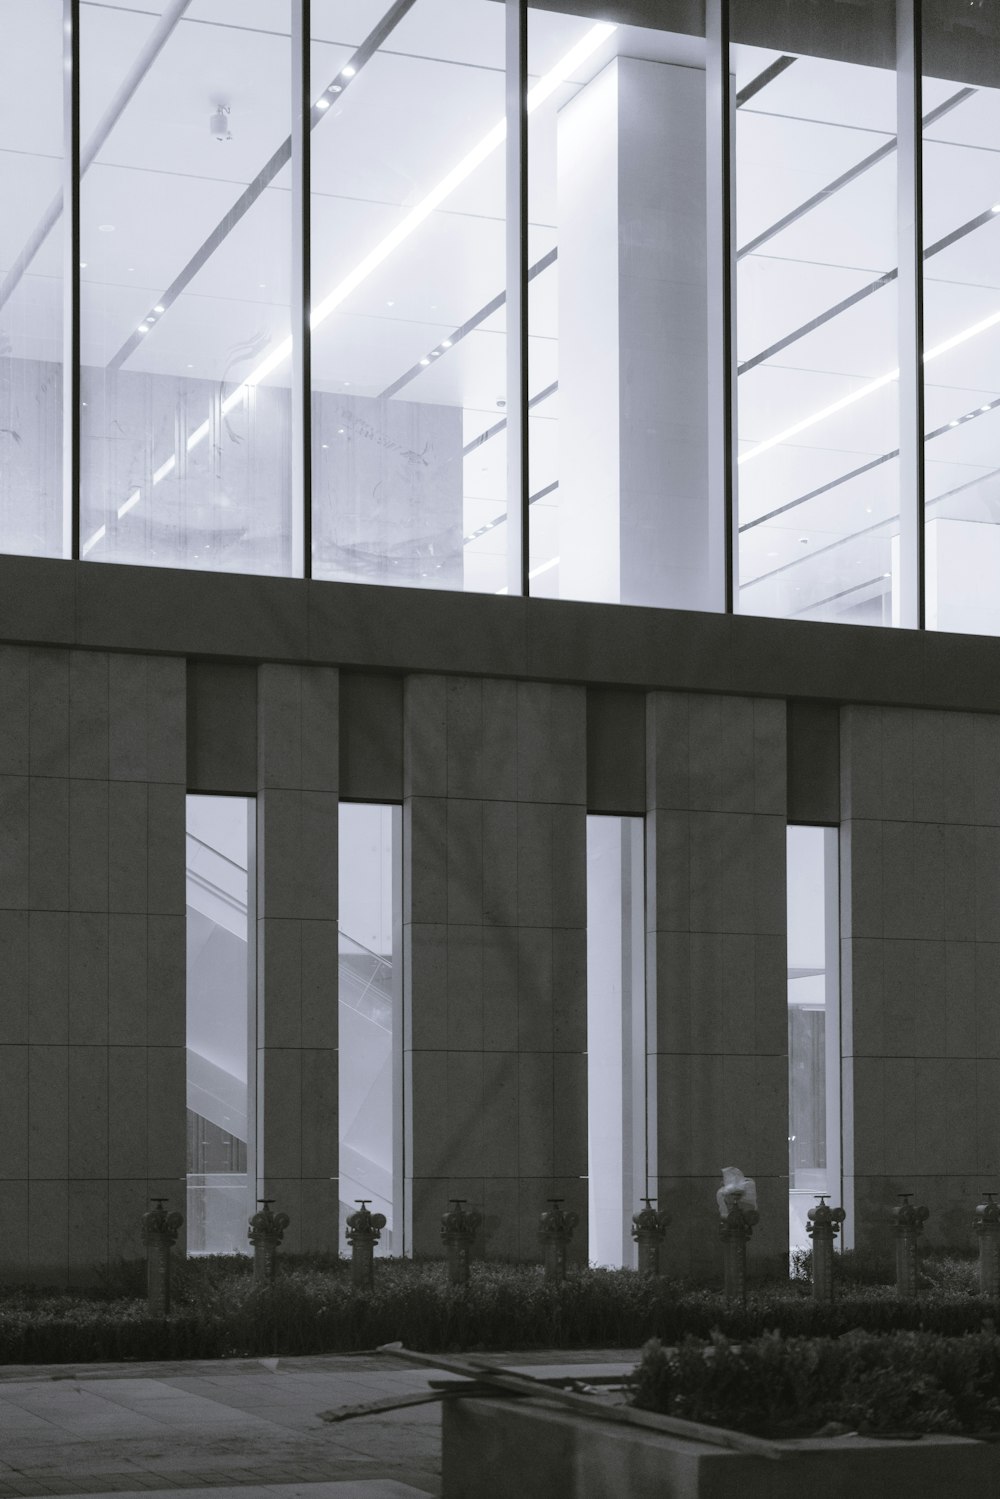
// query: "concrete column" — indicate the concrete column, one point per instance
point(633, 460)
point(297, 810)
point(717, 1011)
point(92, 949)
point(494, 910)
point(920, 924)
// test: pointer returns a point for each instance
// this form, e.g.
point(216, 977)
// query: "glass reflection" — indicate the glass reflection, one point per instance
point(961, 200)
point(185, 217)
point(31, 279)
point(817, 355)
point(370, 1000)
point(219, 1004)
point(814, 1145)
point(409, 293)
point(616, 1036)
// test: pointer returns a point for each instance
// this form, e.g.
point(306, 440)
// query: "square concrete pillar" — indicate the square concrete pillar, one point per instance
point(495, 909)
point(920, 926)
point(92, 928)
point(296, 1078)
point(717, 1006)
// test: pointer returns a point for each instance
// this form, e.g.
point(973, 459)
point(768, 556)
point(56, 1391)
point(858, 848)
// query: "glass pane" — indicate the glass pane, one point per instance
point(408, 295)
point(616, 1035)
point(617, 313)
point(31, 277)
point(186, 251)
point(814, 1163)
point(370, 979)
point(219, 1005)
point(817, 356)
point(962, 317)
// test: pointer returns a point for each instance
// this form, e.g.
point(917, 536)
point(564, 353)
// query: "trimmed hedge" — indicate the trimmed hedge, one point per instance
point(902, 1383)
point(313, 1309)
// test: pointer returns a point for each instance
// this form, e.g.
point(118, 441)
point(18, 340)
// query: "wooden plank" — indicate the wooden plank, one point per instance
point(477, 1368)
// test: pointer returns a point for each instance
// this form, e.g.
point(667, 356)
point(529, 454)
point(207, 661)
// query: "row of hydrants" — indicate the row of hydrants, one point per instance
point(738, 1215)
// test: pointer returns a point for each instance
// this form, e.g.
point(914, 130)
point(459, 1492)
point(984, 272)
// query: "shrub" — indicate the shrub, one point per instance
point(313, 1308)
point(896, 1383)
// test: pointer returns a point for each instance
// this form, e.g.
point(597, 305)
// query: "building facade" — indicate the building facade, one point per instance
point(528, 726)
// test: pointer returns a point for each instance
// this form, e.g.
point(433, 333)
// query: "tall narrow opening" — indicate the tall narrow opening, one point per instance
point(616, 1035)
point(220, 1008)
point(814, 1050)
point(370, 1058)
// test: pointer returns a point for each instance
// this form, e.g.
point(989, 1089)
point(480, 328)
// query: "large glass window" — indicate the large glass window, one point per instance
point(370, 977)
point(409, 293)
point(31, 278)
point(220, 1029)
point(961, 201)
point(616, 1036)
point(815, 297)
point(814, 1087)
point(185, 227)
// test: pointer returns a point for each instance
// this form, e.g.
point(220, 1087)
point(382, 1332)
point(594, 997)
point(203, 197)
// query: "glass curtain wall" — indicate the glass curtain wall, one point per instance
point(185, 229)
point(220, 1023)
point(617, 307)
point(617, 1108)
point(370, 1009)
point(408, 270)
point(31, 278)
point(961, 237)
point(814, 1051)
point(815, 295)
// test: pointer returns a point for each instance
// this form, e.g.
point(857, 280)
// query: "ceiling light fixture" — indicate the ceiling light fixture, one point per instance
point(869, 389)
point(348, 71)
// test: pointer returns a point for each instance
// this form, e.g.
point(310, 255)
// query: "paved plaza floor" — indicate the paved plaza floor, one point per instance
point(246, 1427)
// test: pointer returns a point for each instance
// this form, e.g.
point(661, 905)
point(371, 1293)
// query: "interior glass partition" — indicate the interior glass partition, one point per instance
point(185, 270)
point(408, 266)
point(961, 224)
point(220, 1024)
point(370, 1009)
point(616, 1035)
point(814, 1049)
point(815, 261)
point(31, 278)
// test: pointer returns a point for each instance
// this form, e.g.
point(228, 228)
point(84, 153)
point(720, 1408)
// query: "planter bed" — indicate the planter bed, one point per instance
point(494, 1448)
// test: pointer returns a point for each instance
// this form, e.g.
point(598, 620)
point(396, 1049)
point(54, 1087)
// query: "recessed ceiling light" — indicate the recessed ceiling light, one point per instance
point(322, 104)
point(803, 541)
point(435, 353)
point(106, 228)
point(190, 366)
point(262, 284)
point(324, 446)
point(157, 308)
point(954, 423)
point(83, 265)
point(995, 208)
point(143, 327)
point(390, 304)
point(446, 343)
point(340, 431)
point(131, 267)
point(348, 72)
point(335, 88)
point(425, 361)
point(985, 408)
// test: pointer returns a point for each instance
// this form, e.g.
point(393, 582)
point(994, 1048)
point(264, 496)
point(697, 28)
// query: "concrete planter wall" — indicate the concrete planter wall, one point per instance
point(495, 1448)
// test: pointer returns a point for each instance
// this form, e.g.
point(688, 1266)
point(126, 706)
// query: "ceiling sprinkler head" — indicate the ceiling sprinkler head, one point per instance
point(218, 123)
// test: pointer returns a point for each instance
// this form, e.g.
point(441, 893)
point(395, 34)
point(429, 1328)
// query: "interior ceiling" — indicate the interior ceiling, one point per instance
point(816, 208)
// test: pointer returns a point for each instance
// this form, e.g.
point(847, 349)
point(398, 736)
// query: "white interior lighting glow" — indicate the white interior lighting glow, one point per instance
point(348, 72)
point(870, 388)
point(98, 535)
point(130, 503)
point(322, 104)
point(543, 89)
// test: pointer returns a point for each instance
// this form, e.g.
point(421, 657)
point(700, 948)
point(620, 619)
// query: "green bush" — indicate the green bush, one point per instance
point(312, 1308)
point(891, 1384)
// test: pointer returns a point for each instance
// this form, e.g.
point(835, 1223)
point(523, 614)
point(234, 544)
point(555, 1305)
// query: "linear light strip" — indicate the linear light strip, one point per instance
point(543, 90)
point(863, 391)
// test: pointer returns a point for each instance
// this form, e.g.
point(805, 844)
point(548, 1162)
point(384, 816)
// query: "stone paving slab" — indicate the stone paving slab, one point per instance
point(246, 1426)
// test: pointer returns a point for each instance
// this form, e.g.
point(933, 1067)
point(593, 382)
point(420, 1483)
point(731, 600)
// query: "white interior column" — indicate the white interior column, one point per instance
point(632, 339)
